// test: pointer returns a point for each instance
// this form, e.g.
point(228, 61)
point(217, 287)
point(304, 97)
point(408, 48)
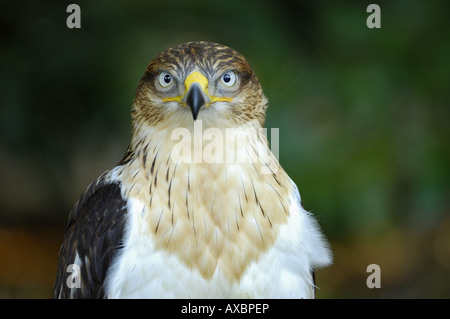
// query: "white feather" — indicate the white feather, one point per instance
point(284, 271)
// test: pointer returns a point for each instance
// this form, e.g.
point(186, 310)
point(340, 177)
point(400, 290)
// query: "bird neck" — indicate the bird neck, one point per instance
point(220, 214)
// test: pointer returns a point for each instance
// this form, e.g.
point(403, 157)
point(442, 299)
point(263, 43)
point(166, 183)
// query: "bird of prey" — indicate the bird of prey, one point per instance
point(157, 226)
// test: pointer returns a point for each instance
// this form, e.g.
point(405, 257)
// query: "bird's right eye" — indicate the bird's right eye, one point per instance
point(165, 79)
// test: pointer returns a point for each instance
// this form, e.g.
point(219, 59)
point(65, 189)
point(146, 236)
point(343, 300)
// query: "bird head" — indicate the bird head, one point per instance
point(199, 80)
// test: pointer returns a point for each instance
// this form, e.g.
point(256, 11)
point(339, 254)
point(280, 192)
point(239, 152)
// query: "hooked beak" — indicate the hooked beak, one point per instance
point(195, 99)
point(196, 92)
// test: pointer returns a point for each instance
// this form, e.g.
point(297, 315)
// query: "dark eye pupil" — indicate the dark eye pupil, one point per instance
point(167, 78)
point(226, 78)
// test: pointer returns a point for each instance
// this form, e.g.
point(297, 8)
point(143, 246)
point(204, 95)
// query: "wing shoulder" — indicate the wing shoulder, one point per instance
point(92, 237)
point(314, 243)
point(318, 248)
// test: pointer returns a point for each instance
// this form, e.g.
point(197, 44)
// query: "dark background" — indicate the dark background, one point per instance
point(362, 115)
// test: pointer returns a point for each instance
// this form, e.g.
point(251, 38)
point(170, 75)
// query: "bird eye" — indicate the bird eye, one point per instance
point(165, 79)
point(228, 78)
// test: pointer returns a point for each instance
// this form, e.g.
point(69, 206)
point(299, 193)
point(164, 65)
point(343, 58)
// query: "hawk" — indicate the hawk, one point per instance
point(160, 225)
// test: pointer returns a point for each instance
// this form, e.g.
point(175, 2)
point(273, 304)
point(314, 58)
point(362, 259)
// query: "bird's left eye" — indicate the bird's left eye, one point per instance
point(165, 79)
point(228, 78)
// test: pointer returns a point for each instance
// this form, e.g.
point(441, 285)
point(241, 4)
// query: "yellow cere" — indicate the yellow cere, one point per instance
point(196, 77)
point(203, 81)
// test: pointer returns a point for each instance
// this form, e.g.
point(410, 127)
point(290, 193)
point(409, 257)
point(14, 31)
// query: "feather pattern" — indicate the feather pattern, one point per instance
point(156, 226)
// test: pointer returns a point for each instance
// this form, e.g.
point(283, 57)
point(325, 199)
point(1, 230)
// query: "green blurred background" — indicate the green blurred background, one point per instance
point(363, 117)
